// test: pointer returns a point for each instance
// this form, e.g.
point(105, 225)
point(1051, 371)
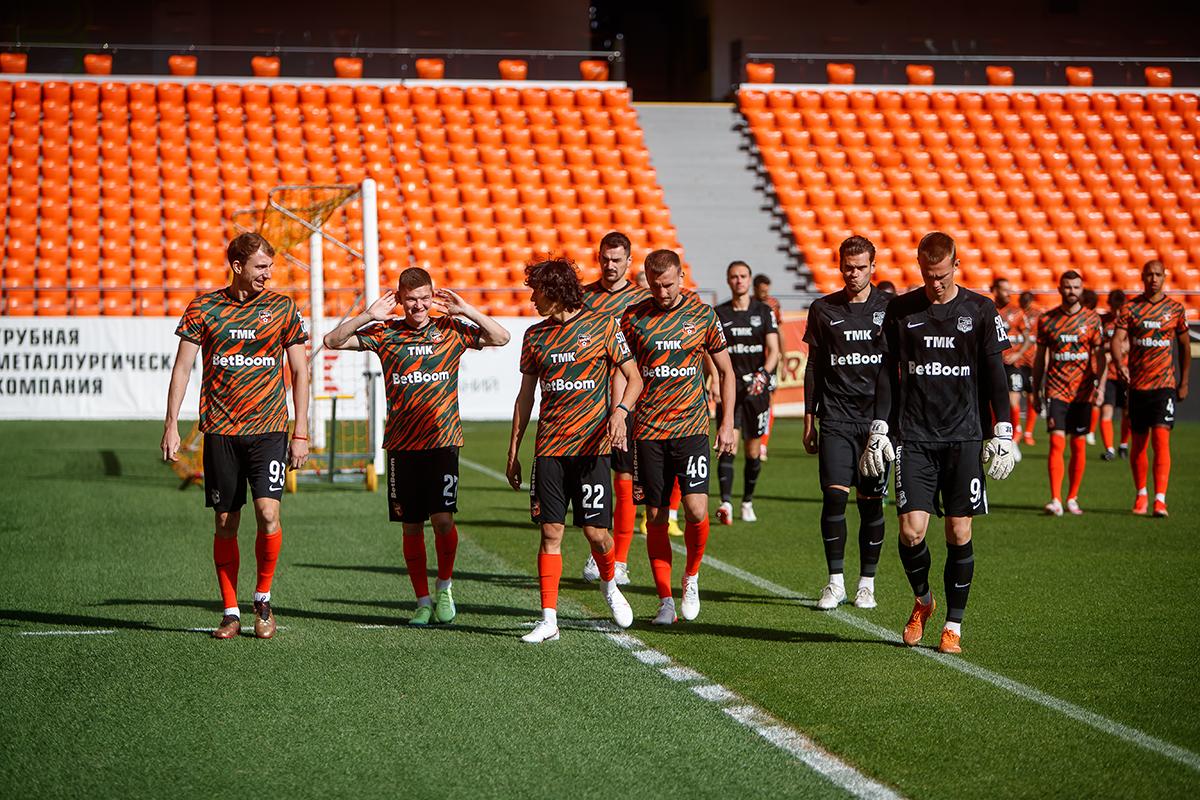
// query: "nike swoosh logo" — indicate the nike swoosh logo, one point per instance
point(694, 485)
point(726, 324)
point(875, 544)
point(962, 585)
point(915, 324)
point(836, 321)
point(591, 516)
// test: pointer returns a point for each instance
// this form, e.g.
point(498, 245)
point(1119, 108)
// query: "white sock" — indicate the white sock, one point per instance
point(867, 583)
point(550, 616)
point(1141, 491)
point(424, 601)
point(1160, 497)
point(621, 564)
point(443, 585)
point(838, 581)
point(262, 597)
point(233, 612)
point(673, 515)
point(925, 599)
point(954, 627)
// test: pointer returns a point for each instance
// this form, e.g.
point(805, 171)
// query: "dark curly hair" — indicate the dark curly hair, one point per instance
point(558, 281)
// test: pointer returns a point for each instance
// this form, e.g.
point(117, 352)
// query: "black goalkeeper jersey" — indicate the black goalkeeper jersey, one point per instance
point(746, 332)
point(846, 339)
point(941, 352)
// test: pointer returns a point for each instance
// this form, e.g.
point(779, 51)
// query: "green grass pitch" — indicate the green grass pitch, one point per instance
point(1078, 677)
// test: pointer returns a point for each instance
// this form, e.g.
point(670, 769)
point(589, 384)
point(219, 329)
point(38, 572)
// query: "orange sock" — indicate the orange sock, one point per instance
point(623, 518)
point(414, 559)
point(1124, 429)
point(658, 547)
point(266, 553)
point(1095, 419)
point(549, 574)
point(1139, 460)
point(695, 537)
point(676, 496)
point(1078, 464)
point(1106, 433)
point(607, 563)
point(1162, 458)
point(1014, 416)
point(1058, 444)
point(226, 558)
point(1030, 420)
point(446, 546)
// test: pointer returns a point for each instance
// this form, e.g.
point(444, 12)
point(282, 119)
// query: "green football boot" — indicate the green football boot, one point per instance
point(424, 616)
point(443, 609)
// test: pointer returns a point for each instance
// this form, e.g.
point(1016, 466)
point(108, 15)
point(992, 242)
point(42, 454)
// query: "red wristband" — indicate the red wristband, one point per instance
point(301, 438)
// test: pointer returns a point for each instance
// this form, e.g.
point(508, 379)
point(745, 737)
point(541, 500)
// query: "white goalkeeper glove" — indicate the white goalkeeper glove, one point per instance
point(878, 453)
point(759, 382)
point(1000, 454)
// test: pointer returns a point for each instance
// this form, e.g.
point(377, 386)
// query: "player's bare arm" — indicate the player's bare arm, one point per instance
point(1119, 349)
point(493, 333)
point(297, 358)
point(1185, 363)
point(726, 441)
point(522, 408)
point(342, 337)
point(185, 357)
point(1099, 365)
point(618, 420)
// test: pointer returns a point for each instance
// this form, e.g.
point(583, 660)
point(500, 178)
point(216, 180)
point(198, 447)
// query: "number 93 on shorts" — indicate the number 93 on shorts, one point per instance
point(421, 483)
point(659, 463)
point(230, 462)
point(583, 482)
point(945, 478)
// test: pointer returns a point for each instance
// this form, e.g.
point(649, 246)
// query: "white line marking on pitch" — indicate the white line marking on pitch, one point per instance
point(682, 674)
point(1064, 707)
point(67, 633)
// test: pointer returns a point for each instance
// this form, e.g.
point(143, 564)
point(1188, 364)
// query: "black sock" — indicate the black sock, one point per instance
point(916, 566)
point(725, 477)
point(870, 534)
point(960, 566)
point(833, 529)
point(750, 479)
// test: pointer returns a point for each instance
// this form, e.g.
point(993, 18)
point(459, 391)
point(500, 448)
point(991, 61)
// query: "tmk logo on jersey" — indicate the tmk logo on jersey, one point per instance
point(939, 342)
point(241, 334)
point(857, 336)
point(670, 344)
point(1068, 338)
point(877, 317)
point(966, 324)
point(420, 349)
point(584, 340)
point(1151, 323)
point(742, 331)
point(265, 316)
point(562, 358)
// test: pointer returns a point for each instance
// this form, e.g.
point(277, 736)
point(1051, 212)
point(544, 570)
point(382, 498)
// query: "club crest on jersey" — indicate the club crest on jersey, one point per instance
point(265, 316)
point(689, 328)
point(584, 339)
point(639, 494)
point(966, 324)
point(755, 321)
point(435, 335)
point(877, 317)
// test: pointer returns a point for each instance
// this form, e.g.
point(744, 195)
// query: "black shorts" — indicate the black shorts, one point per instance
point(231, 461)
point(1073, 419)
point(421, 483)
point(622, 460)
point(1115, 393)
point(943, 478)
point(583, 481)
point(1016, 378)
point(1151, 408)
point(840, 446)
point(751, 414)
point(1026, 378)
point(659, 462)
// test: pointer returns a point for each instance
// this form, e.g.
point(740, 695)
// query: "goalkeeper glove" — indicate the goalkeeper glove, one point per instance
point(759, 383)
point(999, 454)
point(878, 453)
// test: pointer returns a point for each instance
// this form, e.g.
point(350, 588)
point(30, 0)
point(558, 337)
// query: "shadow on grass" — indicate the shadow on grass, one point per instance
point(85, 621)
point(714, 595)
point(494, 579)
point(757, 634)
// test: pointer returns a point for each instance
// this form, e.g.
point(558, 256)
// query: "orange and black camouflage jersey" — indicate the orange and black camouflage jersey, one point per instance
point(1031, 317)
point(420, 371)
point(669, 347)
point(1109, 321)
point(242, 344)
point(612, 303)
point(1014, 320)
point(1153, 329)
point(1069, 340)
point(573, 362)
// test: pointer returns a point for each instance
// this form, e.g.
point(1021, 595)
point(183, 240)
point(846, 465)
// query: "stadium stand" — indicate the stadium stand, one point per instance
point(1030, 181)
point(121, 194)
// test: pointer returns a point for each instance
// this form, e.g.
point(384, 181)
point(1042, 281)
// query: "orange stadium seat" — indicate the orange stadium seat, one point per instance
point(13, 63)
point(839, 73)
point(592, 70)
point(513, 69)
point(265, 66)
point(184, 66)
point(919, 74)
point(999, 76)
point(430, 68)
point(348, 67)
point(760, 72)
point(97, 64)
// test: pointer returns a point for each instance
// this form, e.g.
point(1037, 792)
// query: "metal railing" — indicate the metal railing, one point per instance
point(967, 70)
point(313, 62)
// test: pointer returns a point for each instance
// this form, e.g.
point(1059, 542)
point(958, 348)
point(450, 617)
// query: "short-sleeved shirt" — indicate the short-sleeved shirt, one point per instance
point(746, 332)
point(776, 311)
point(1153, 329)
point(242, 343)
point(1070, 340)
point(941, 352)
point(1014, 319)
point(1109, 321)
point(613, 303)
point(669, 347)
point(846, 339)
point(420, 373)
point(573, 361)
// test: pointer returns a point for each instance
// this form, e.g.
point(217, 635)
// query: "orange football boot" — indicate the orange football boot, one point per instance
point(950, 642)
point(915, 628)
point(1141, 505)
point(1160, 508)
